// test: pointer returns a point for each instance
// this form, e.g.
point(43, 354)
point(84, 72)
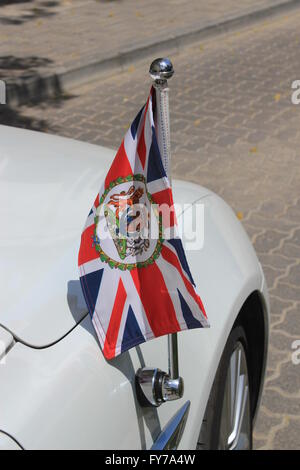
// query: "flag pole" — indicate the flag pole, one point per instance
point(155, 386)
point(160, 71)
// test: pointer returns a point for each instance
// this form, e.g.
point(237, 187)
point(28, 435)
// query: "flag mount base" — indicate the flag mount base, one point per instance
point(155, 387)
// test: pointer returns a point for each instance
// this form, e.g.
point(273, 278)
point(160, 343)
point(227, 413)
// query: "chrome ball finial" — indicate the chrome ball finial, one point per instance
point(161, 69)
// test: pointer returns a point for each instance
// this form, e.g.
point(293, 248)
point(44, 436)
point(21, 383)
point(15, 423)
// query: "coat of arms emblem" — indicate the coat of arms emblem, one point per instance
point(128, 221)
point(128, 227)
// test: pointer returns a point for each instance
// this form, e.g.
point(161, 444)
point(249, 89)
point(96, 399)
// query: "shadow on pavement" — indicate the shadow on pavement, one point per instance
point(28, 79)
point(35, 11)
point(20, 116)
point(12, 117)
point(22, 63)
point(30, 82)
point(12, 2)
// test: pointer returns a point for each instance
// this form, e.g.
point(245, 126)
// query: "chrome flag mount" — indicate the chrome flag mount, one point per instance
point(133, 270)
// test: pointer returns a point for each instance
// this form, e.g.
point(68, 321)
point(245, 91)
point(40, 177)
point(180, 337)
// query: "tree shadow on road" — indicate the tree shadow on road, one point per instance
point(26, 117)
point(10, 116)
point(29, 81)
point(12, 66)
point(28, 78)
point(35, 11)
point(11, 2)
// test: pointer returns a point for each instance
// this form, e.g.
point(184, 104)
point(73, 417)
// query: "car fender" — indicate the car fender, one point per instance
point(68, 396)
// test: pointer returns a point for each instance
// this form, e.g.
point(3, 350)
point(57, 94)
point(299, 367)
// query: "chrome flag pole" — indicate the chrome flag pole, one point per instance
point(155, 386)
point(160, 71)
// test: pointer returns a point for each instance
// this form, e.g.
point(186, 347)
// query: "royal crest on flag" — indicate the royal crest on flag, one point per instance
point(133, 270)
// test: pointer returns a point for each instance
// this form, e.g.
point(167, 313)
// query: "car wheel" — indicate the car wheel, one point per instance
point(227, 423)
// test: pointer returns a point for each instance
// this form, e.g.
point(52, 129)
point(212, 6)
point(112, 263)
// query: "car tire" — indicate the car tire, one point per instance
point(227, 423)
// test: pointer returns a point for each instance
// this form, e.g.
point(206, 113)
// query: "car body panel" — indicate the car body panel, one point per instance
point(7, 443)
point(57, 390)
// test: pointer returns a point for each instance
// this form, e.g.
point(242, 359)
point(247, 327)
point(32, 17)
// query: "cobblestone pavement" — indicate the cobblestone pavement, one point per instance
point(234, 130)
point(41, 37)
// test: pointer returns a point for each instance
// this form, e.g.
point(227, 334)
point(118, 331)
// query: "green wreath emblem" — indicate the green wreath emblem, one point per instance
point(96, 241)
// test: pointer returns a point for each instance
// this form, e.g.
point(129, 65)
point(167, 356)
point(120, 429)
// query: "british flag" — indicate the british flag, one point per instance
point(133, 271)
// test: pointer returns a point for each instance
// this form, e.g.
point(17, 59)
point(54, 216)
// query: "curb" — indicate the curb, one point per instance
point(52, 85)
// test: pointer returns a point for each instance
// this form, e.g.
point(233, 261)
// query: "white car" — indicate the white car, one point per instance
point(57, 391)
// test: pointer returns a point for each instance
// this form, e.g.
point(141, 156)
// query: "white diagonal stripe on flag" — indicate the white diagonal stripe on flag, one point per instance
point(158, 185)
point(136, 304)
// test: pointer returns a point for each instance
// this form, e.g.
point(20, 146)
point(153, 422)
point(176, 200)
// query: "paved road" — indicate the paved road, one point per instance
point(40, 37)
point(235, 131)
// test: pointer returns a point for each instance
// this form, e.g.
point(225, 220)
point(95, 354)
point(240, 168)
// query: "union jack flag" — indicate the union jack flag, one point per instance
point(133, 271)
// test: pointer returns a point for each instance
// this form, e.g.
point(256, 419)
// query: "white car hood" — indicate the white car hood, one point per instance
point(47, 187)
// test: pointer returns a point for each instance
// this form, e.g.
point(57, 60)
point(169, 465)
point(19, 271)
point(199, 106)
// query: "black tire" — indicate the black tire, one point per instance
point(209, 437)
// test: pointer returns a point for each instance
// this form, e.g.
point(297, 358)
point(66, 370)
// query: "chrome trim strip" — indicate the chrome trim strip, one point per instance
point(171, 435)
